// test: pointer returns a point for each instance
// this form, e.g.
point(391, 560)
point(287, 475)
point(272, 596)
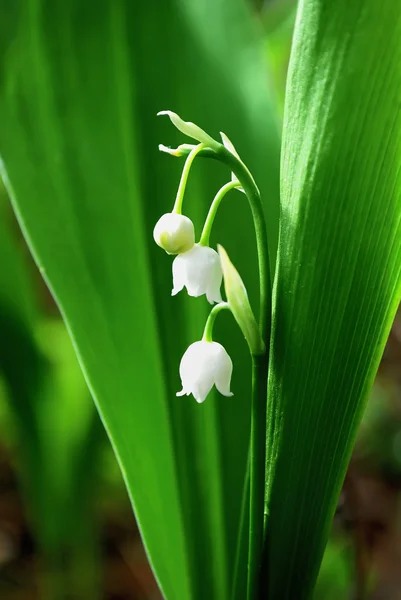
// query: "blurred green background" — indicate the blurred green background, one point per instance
point(65, 517)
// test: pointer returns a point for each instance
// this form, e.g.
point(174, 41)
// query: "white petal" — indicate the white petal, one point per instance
point(197, 270)
point(201, 390)
point(213, 296)
point(223, 372)
point(203, 272)
point(196, 372)
point(196, 365)
point(213, 293)
point(178, 275)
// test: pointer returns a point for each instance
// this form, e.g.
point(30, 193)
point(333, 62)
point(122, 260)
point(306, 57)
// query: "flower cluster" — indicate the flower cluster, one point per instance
point(199, 269)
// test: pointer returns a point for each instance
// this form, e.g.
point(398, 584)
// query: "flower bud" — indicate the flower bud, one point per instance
point(238, 301)
point(181, 150)
point(204, 365)
point(174, 233)
point(199, 270)
point(191, 130)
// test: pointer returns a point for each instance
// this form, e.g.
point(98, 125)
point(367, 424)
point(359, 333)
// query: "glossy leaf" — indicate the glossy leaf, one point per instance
point(339, 267)
point(81, 84)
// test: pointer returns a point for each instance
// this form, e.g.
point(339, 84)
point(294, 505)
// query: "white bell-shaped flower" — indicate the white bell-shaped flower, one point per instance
point(174, 233)
point(199, 270)
point(204, 365)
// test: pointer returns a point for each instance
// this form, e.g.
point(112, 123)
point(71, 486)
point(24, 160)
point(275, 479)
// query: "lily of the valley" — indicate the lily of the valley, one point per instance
point(204, 365)
point(174, 233)
point(199, 270)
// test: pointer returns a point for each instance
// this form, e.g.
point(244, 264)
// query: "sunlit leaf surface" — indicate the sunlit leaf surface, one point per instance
point(339, 267)
point(81, 84)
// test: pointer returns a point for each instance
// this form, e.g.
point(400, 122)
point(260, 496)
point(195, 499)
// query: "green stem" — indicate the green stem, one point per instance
point(257, 473)
point(259, 378)
point(252, 193)
point(207, 228)
point(208, 331)
point(184, 178)
point(241, 552)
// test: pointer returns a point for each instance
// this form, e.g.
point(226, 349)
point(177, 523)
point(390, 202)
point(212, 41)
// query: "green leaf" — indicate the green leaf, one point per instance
point(338, 275)
point(71, 440)
point(81, 86)
point(57, 433)
point(21, 363)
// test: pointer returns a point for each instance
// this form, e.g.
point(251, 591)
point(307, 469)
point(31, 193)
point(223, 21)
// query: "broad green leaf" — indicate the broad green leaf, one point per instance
point(21, 363)
point(71, 440)
point(338, 275)
point(81, 84)
point(55, 433)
